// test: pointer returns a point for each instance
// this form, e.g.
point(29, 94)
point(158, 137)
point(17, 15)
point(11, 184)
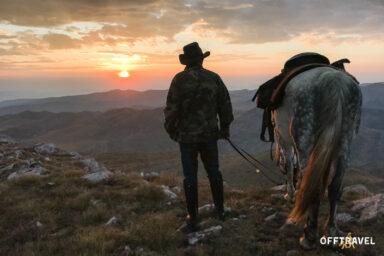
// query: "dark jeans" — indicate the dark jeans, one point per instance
point(209, 156)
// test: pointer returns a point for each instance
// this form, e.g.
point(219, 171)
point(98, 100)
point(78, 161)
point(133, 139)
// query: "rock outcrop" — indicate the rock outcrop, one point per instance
point(345, 217)
point(208, 208)
point(45, 149)
point(18, 160)
point(369, 208)
point(195, 237)
point(357, 189)
point(167, 191)
point(98, 171)
point(36, 170)
point(97, 176)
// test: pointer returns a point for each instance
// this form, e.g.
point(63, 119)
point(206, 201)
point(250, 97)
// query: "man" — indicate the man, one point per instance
point(196, 98)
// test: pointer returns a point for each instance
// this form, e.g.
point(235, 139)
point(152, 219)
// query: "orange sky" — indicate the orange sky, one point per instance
point(66, 47)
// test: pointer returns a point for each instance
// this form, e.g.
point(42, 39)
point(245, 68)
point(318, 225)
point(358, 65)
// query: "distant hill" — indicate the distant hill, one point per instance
point(104, 101)
point(90, 102)
point(373, 95)
point(113, 130)
point(142, 131)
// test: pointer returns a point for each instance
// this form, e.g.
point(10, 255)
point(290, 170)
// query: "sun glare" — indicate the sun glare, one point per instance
point(124, 74)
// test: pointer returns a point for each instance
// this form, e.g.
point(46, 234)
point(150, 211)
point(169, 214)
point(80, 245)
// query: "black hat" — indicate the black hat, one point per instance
point(192, 54)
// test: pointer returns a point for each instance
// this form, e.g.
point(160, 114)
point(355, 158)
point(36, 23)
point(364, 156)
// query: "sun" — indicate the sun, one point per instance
point(124, 74)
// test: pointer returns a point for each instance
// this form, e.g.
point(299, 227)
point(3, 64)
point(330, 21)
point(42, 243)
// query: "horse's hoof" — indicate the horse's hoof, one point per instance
point(290, 221)
point(306, 244)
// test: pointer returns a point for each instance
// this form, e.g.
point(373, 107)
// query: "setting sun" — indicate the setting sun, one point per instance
point(124, 74)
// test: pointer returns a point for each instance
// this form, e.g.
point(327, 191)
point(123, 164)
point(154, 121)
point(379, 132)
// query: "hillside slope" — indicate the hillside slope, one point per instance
point(59, 212)
point(143, 131)
point(113, 130)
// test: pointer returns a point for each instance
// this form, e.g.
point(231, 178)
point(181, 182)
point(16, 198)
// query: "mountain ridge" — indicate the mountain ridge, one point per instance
point(142, 130)
point(103, 101)
point(149, 99)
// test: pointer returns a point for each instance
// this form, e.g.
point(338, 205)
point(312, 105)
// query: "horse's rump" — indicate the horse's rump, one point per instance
point(322, 106)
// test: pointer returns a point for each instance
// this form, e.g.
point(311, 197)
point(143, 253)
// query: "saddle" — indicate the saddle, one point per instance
point(270, 94)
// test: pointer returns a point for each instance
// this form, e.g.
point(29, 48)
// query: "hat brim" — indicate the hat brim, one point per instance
point(187, 60)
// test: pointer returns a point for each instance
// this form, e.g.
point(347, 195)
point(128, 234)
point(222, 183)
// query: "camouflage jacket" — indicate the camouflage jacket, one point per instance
point(196, 101)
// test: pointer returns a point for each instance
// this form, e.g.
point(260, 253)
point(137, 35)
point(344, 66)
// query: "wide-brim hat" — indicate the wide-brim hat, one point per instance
point(192, 54)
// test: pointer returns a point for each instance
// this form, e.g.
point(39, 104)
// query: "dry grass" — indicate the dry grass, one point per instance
point(74, 212)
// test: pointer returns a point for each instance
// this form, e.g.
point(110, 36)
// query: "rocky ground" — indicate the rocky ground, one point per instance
point(55, 202)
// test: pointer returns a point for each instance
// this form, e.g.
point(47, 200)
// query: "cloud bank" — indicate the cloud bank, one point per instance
point(240, 22)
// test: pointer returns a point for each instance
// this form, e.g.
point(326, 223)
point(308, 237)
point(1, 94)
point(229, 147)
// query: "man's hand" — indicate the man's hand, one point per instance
point(174, 136)
point(224, 134)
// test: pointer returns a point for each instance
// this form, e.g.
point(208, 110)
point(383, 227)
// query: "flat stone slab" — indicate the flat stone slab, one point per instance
point(280, 188)
point(369, 208)
point(195, 237)
point(112, 221)
point(207, 208)
point(37, 170)
point(90, 164)
point(357, 189)
point(167, 191)
point(45, 149)
point(345, 217)
point(96, 176)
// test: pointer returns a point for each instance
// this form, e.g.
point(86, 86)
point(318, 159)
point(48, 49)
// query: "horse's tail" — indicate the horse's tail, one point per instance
point(326, 144)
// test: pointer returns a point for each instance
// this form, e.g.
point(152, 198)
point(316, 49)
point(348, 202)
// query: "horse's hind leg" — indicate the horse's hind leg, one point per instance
point(335, 188)
point(334, 195)
point(308, 240)
point(290, 196)
point(286, 156)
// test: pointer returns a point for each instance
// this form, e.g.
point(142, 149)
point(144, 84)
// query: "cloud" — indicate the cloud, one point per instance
point(61, 41)
point(142, 18)
point(243, 22)
point(282, 20)
point(25, 43)
point(6, 37)
point(58, 12)
point(74, 32)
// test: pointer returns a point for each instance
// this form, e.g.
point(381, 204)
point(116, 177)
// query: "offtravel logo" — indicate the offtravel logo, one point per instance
point(347, 242)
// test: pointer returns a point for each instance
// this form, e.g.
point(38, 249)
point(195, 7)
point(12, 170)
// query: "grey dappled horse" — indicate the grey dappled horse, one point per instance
point(316, 122)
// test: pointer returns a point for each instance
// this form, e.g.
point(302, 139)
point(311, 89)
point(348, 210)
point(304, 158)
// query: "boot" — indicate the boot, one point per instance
point(192, 205)
point(217, 194)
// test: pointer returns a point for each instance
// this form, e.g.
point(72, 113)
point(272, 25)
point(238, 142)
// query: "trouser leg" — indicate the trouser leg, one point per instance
point(189, 162)
point(210, 158)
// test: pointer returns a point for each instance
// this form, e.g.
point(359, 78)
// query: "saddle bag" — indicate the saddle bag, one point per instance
point(265, 91)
